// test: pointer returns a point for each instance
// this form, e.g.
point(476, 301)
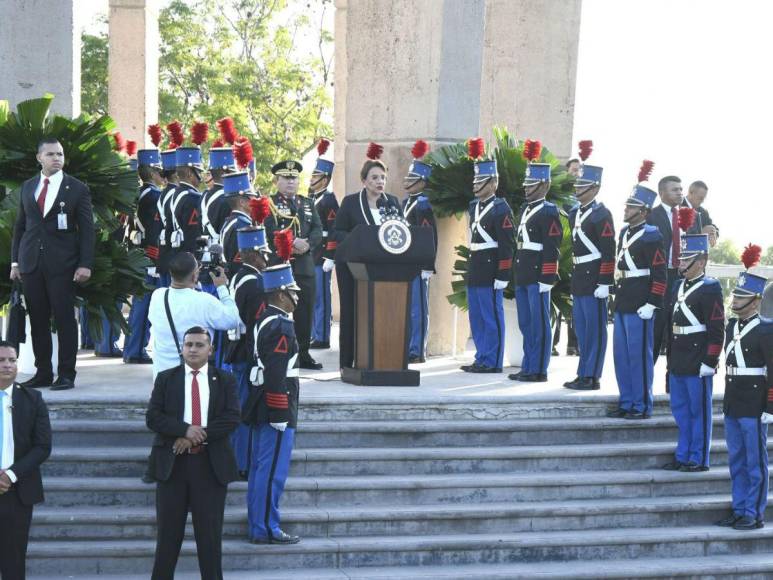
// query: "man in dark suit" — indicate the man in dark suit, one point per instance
point(696, 195)
point(25, 443)
point(193, 411)
point(53, 249)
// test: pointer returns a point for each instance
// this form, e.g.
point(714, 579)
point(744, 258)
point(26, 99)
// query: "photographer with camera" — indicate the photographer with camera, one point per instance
point(179, 307)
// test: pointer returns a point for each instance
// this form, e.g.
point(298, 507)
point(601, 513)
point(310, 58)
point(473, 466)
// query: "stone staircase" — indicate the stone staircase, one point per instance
point(472, 487)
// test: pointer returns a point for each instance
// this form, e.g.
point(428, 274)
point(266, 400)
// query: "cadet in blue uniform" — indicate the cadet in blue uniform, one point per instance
point(186, 203)
point(536, 272)
point(748, 403)
point(272, 407)
point(237, 192)
point(164, 206)
point(247, 289)
point(694, 345)
point(418, 212)
point(593, 246)
point(639, 291)
point(326, 206)
point(147, 226)
point(490, 266)
point(214, 209)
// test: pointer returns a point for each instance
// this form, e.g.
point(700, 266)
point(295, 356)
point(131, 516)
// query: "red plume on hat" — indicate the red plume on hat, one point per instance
point(374, 151)
point(476, 148)
point(686, 218)
point(586, 148)
point(119, 143)
point(243, 152)
point(218, 143)
point(199, 132)
point(131, 148)
point(419, 149)
point(322, 146)
point(155, 134)
point(176, 135)
point(260, 208)
point(532, 150)
point(283, 242)
point(646, 170)
point(751, 255)
point(227, 130)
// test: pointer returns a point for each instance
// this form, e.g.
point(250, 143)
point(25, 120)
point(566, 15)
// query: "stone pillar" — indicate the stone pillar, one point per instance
point(444, 71)
point(40, 53)
point(133, 67)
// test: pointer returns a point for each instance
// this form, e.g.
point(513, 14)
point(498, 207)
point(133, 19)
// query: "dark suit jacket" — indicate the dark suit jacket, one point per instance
point(165, 418)
point(660, 217)
point(37, 239)
point(31, 443)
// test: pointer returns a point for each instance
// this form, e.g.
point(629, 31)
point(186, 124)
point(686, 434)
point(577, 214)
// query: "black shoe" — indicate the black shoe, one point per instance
point(586, 384)
point(746, 523)
point(535, 378)
point(516, 376)
point(572, 351)
point(62, 384)
point(318, 345)
point(283, 538)
point(37, 382)
point(416, 360)
point(728, 521)
point(467, 368)
point(148, 479)
point(87, 347)
point(115, 353)
point(554, 352)
point(259, 540)
point(673, 466)
point(616, 413)
point(635, 416)
point(483, 369)
point(307, 362)
point(574, 381)
point(692, 467)
point(138, 360)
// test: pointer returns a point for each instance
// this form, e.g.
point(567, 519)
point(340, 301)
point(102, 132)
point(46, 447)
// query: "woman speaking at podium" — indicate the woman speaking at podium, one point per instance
point(369, 206)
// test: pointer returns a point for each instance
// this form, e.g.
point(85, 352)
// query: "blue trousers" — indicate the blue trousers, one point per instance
point(323, 314)
point(419, 317)
point(534, 322)
point(136, 341)
point(691, 408)
point(632, 348)
point(271, 451)
point(107, 344)
point(748, 457)
point(487, 323)
point(590, 326)
point(241, 437)
point(165, 280)
point(83, 317)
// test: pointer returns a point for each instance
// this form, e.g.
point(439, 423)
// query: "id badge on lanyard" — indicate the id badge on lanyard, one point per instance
point(61, 218)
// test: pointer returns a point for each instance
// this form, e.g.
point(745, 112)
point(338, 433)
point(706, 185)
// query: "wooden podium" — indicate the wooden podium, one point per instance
point(383, 304)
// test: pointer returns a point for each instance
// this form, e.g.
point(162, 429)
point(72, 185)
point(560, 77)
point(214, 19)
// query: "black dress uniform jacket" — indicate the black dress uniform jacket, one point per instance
point(353, 212)
point(214, 210)
point(597, 225)
point(327, 207)
point(247, 289)
point(308, 227)
point(164, 206)
point(149, 219)
point(496, 220)
point(418, 212)
point(749, 396)
point(236, 220)
point(687, 352)
point(188, 216)
point(646, 251)
point(542, 227)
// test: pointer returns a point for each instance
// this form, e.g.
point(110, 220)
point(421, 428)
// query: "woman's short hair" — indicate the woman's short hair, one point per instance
point(370, 164)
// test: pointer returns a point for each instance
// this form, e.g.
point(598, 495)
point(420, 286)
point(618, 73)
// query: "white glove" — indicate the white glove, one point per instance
point(279, 426)
point(328, 265)
point(646, 311)
point(601, 292)
point(426, 274)
point(767, 418)
point(706, 371)
point(544, 287)
point(500, 284)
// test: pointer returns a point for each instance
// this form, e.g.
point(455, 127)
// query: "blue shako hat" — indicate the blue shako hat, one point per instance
point(222, 158)
point(149, 157)
point(237, 184)
point(749, 285)
point(589, 175)
point(420, 169)
point(694, 244)
point(279, 277)
point(536, 173)
point(324, 166)
point(642, 196)
point(189, 157)
point(484, 170)
point(252, 238)
point(169, 159)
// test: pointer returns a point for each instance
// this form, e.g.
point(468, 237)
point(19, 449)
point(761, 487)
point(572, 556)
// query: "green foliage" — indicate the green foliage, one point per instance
point(118, 272)
point(94, 73)
point(725, 252)
point(767, 257)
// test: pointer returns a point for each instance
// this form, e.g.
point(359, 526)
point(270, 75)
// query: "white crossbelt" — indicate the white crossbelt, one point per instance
point(488, 242)
point(409, 207)
point(681, 304)
point(625, 253)
point(213, 234)
point(735, 344)
point(577, 232)
point(524, 243)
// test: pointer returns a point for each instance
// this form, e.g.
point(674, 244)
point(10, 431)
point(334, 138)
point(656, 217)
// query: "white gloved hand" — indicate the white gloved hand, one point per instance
point(706, 371)
point(646, 311)
point(328, 265)
point(544, 287)
point(426, 274)
point(500, 284)
point(601, 292)
point(279, 426)
point(767, 418)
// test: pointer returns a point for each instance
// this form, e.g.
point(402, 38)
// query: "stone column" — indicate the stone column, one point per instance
point(133, 67)
point(40, 53)
point(444, 71)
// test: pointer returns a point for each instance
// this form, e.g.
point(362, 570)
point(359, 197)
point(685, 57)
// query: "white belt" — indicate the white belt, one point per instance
point(634, 273)
point(689, 329)
point(746, 371)
point(324, 234)
point(587, 258)
point(476, 246)
point(530, 246)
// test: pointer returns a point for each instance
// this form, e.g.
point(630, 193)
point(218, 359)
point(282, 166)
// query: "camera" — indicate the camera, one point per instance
point(209, 256)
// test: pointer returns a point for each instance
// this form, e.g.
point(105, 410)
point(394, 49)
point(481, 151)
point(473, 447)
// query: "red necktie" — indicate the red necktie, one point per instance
point(675, 247)
point(195, 400)
point(42, 196)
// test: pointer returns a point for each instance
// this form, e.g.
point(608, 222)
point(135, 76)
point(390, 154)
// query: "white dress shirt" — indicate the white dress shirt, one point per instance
point(203, 380)
point(189, 308)
point(667, 243)
point(376, 213)
point(6, 453)
point(54, 182)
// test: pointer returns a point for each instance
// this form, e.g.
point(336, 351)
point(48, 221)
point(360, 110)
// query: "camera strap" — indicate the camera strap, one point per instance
point(171, 324)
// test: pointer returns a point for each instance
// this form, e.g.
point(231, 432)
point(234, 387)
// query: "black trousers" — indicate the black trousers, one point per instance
point(192, 486)
point(47, 294)
point(304, 313)
point(664, 315)
point(346, 289)
point(15, 519)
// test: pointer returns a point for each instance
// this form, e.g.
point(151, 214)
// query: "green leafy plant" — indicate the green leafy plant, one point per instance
point(88, 147)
